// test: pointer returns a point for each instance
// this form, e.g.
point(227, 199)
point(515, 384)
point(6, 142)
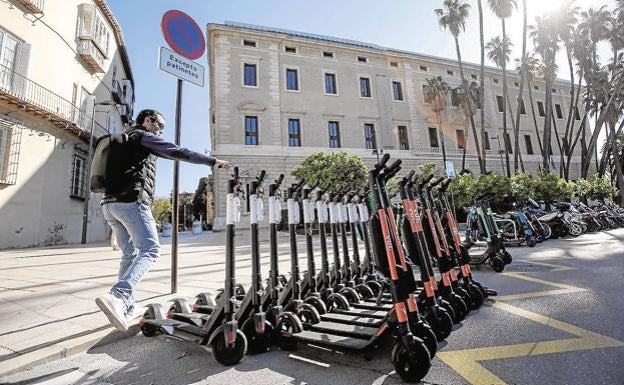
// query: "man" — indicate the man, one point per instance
point(130, 217)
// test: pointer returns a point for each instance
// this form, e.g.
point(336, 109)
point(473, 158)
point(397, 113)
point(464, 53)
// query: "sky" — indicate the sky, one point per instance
point(401, 24)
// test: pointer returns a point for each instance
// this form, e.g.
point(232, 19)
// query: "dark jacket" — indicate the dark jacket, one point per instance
point(147, 147)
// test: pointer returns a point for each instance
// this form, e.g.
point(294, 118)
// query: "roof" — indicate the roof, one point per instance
point(359, 44)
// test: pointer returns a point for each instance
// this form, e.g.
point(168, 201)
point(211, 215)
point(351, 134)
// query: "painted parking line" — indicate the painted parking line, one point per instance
point(466, 361)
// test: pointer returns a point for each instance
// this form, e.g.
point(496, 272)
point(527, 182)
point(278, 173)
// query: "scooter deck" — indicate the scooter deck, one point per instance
point(352, 320)
point(197, 319)
point(333, 340)
point(362, 313)
point(355, 331)
point(372, 305)
point(177, 328)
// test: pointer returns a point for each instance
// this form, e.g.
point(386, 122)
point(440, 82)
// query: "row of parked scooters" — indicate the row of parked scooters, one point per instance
point(397, 272)
point(532, 224)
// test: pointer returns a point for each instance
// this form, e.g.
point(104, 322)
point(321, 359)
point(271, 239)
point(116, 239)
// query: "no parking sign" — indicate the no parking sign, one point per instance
point(182, 34)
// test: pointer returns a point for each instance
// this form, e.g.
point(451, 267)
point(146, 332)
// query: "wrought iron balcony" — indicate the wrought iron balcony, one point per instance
point(91, 55)
point(39, 101)
point(32, 6)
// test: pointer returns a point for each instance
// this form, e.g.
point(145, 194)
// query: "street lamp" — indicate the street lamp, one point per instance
point(85, 208)
point(500, 152)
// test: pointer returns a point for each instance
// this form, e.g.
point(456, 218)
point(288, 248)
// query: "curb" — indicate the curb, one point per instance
point(64, 349)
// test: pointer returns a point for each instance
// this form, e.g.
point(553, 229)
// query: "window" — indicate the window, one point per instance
point(251, 130)
point(473, 76)
point(426, 96)
point(536, 88)
point(365, 88)
point(478, 96)
point(455, 98)
point(450, 72)
point(362, 59)
point(249, 43)
point(369, 136)
point(290, 49)
point(576, 114)
point(495, 80)
point(424, 68)
point(394, 64)
point(249, 76)
point(508, 143)
point(4, 151)
point(516, 84)
point(522, 107)
point(529, 146)
point(330, 84)
point(540, 109)
point(112, 124)
point(397, 90)
point(77, 188)
point(486, 143)
point(499, 103)
point(558, 111)
point(554, 91)
point(328, 54)
point(333, 129)
point(461, 139)
point(8, 58)
point(403, 140)
point(294, 133)
point(292, 79)
point(433, 137)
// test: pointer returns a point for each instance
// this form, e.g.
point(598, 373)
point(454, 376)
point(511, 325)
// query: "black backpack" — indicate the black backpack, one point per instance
point(113, 165)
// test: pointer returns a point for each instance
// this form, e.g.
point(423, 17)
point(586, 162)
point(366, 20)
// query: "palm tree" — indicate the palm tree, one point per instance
point(482, 83)
point(453, 17)
point(520, 89)
point(498, 51)
point(468, 95)
point(436, 92)
point(527, 69)
point(545, 40)
point(503, 10)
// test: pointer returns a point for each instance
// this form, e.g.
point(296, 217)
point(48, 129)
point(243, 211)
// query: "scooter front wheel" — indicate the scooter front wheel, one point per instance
point(441, 323)
point(308, 314)
point(423, 331)
point(317, 303)
point(229, 355)
point(411, 362)
point(257, 342)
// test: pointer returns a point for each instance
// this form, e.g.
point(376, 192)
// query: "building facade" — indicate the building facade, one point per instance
point(64, 71)
point(277, 96)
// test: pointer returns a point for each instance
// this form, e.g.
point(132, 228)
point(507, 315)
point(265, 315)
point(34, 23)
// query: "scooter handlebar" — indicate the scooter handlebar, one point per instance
point(436, 182)
point(261, 176)
point(424, 181)
point(409, 176)
point(445, 185)
point(382, 162)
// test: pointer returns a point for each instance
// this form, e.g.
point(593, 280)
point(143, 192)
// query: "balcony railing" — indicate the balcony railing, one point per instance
point(35, 99)
point(32, 6)
point(91, 55)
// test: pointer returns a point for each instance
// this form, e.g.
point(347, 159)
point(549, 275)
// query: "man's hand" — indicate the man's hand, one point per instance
point(222, 165)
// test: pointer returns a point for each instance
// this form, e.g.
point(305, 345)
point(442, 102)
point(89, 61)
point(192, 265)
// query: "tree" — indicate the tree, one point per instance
point(337, 169)
point(161, 209)
point(199, 199)
point(498, 51)
point(527, 69)
point(503, 10)
point(436, 93)
point(482, 84)
point(520, 89)
point(468, 96)
point(452, 17)
point(545, 40)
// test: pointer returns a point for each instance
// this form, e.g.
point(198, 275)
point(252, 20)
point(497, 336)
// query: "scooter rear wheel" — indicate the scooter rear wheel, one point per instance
point(337, 301)
point(459, 307)
point(288, 325)
point(375, 286)
point(497, 264)
point(476, 296)
point(351, 295)
point(412, 362)
point(308, 314)
point(364, 291)
point(317, 303)
point(229, 355)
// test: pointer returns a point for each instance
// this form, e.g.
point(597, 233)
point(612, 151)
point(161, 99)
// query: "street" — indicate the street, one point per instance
point(557, 320)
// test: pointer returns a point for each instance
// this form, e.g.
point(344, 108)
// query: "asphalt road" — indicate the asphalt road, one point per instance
point(558, 320)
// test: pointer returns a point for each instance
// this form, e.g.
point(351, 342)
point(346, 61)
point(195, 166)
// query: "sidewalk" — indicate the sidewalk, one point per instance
point(47, 294)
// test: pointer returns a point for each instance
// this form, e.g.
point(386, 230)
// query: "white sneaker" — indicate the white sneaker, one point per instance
point(115, 310)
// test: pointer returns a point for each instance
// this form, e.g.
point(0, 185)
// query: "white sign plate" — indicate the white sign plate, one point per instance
point(181, 67)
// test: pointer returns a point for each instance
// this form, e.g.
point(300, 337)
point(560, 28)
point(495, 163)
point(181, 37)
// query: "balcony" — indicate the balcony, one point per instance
point(39, 101)
point(116, 91)
point(91, 56)
point(32, 6)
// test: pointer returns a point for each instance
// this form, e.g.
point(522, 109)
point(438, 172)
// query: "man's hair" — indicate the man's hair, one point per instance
point(147, 113)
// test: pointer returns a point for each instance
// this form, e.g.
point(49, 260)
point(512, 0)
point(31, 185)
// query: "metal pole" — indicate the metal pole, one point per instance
point(85, 209)
point(176, 187)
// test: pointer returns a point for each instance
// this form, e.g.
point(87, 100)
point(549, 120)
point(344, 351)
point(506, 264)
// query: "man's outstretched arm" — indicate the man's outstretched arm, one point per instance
point(161, 148)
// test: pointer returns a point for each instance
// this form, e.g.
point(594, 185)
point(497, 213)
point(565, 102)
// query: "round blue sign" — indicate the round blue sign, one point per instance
point(182, 34)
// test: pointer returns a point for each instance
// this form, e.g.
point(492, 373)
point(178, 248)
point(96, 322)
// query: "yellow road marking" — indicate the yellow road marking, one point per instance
point(466, 361)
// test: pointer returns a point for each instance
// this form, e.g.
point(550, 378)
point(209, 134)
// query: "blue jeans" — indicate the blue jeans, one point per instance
point(137, 237)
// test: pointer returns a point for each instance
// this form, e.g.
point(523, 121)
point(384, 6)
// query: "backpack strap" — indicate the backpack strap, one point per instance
point(138, 134)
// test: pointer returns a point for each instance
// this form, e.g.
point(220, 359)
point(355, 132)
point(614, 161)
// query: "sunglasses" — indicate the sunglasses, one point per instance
point(158, 124)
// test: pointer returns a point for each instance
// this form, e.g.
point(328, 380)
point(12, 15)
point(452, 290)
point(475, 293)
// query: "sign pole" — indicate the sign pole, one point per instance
point(176, 194)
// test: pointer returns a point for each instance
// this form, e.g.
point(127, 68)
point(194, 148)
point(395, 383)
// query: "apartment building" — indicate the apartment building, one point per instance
point(276, 96)
point(64, 73)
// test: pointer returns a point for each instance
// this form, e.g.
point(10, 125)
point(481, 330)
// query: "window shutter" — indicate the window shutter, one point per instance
point(21, 68)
